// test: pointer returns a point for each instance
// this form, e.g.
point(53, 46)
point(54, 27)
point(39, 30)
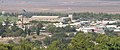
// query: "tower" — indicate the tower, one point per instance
point(20, 17)
point(70, 16)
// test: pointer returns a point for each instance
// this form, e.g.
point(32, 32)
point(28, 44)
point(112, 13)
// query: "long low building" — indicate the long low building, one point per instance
point(46, 18)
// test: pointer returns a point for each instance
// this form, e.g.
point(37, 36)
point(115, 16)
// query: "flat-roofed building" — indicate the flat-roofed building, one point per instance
point(45, 18)
point(23, 20)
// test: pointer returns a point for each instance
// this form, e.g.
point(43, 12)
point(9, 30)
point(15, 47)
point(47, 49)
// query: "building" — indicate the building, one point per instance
point(110, 22)
point(23, 20)
point(45, 18)
point(90, 29)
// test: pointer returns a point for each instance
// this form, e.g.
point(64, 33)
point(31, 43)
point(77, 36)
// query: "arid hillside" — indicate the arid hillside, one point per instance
point(106, 6)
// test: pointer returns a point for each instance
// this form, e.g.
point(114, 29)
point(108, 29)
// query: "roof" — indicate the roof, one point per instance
point(45, 17)
point(64, 17)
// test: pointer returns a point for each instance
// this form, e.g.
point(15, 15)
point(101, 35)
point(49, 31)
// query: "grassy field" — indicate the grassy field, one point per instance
point(11, 18)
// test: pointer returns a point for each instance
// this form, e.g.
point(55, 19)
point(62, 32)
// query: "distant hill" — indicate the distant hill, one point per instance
point(109, 6)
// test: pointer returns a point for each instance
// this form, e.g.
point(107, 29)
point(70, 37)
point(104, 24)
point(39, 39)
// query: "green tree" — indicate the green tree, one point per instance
point(51, 28)
point(56, 45)
point(39, 27)
point(69, 28)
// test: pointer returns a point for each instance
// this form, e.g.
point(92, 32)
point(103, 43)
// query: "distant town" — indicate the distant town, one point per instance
point(44, 30)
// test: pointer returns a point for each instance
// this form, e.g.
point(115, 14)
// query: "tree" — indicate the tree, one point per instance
point(51, 28)
point(56, 45)
point(18, 32)
point(1, 29)
point(38, 28)
point(86, 42)
point(29, 31)
point(7, 22)
point(69, 28)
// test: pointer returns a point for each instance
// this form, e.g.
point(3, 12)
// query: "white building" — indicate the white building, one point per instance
point(45, 18)
point(117, 29)
point(111, 26)
point(90, 28)
point(110, 22)
point(60, 24)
